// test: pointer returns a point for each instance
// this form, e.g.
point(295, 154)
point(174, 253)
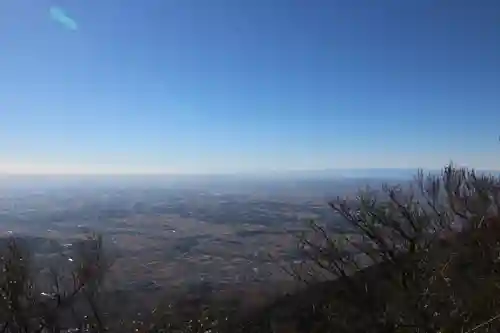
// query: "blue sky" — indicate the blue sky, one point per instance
point(209, 86)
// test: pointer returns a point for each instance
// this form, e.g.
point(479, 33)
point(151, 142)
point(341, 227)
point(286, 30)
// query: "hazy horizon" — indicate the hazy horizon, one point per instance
point(331, 173)
point(25, 169)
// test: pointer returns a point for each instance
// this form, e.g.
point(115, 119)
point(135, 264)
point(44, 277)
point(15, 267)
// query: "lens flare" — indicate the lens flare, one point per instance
point(59, 15)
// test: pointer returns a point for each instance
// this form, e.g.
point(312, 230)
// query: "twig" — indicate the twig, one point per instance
point(485, 323)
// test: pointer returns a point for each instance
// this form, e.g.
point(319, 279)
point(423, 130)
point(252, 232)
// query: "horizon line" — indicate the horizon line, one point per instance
point(238, 173)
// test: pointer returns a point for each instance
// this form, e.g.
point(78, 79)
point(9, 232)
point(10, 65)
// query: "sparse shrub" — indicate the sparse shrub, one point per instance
point(51, 299)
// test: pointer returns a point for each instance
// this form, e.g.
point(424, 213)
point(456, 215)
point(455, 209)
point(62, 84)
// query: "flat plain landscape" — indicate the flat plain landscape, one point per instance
point(224, 234)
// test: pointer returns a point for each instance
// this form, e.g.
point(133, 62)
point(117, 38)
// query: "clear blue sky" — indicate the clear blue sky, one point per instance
point(203, 86)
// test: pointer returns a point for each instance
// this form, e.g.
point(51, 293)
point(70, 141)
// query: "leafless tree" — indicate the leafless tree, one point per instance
point(419, 258)
point(34, 302)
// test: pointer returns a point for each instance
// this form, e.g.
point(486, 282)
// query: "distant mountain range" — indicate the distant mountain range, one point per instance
point(352, 173)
